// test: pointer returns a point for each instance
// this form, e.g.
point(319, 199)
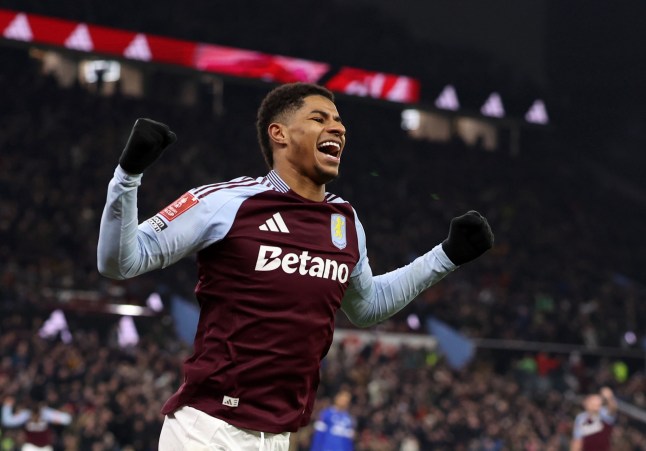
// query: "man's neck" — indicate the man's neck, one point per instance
point(301, 185)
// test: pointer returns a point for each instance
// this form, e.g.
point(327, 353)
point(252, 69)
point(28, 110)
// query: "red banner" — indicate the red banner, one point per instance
point(95, 39)
point(378, 85)
point(249, 64)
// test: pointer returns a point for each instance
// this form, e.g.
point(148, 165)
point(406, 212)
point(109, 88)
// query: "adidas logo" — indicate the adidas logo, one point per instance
point(274, 224)
point(231, 402)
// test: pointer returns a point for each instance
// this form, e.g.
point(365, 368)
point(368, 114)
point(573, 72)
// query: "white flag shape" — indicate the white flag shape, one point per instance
point(127, 332)
point(537, 114)
point(19, 29)
point(80, 39)
point(493, 106)
point(448, 99)
point(138, 49)
point(55, 324)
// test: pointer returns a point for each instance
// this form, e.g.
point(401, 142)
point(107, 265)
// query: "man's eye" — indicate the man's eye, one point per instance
point(318, 119)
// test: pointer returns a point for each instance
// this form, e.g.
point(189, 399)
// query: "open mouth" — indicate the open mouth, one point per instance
point(331, 149)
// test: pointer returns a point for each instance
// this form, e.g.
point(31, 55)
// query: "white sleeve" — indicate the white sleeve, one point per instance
point(577, 430)
point(126, 249)
point(12, 420)
point(606, 416)
point(55, 416)
point(370, 299)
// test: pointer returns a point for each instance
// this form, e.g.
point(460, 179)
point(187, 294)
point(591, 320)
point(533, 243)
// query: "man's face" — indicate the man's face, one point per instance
point(342, 400)
point(315, 139)
point(593, 404)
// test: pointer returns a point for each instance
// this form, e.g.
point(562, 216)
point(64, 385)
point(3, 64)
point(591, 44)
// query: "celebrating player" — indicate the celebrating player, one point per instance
point(277, 256)
point(593, 427)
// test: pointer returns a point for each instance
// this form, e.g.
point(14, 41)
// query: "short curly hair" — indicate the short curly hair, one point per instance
point(285, 98)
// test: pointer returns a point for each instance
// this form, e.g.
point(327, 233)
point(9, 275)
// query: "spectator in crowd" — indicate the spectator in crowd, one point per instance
point(334, 428)
point(36, 423)
point(593, 427)
point(114, 394)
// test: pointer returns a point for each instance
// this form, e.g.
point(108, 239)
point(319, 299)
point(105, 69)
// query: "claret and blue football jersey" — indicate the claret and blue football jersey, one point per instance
point(273, 270)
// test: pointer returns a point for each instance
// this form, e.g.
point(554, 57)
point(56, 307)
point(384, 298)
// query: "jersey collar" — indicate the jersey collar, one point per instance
point(275, 182)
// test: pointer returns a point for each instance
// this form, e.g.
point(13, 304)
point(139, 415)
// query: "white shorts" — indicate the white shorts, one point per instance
point(189, 429)
point(30, 447)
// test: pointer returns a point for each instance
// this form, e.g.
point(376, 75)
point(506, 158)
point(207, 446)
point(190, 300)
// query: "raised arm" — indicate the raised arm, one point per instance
point(55, 416)
point(191, 223)
point(371, 299)
point(609, 399)
point(11, 419)
point(123, 251)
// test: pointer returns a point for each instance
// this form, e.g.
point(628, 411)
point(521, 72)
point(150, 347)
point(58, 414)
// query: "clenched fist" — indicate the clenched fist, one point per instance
point(469, 237)
point(147, 141)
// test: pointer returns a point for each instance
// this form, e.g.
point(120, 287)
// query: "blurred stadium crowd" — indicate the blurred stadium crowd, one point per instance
point(558, 272)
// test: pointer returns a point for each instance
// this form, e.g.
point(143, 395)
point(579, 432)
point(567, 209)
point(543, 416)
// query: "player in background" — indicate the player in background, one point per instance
point(334, 429)
point(277, 256)
point(35, 423)
point(593, 427)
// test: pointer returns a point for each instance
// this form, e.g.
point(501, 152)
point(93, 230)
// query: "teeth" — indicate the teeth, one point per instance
point(330, 143)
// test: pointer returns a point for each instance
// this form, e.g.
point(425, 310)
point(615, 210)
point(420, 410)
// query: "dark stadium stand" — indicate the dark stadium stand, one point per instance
point(337, 34)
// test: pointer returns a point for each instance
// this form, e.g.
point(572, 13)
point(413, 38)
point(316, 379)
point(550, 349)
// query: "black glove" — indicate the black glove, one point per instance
point(469, 237)
point(147, 141)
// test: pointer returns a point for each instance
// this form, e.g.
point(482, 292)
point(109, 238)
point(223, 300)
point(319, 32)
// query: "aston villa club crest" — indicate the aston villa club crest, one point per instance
point(337, 231)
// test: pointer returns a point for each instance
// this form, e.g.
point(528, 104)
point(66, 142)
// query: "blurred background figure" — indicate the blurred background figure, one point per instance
point(593, 427)
point(35, 422)
point(334, 429)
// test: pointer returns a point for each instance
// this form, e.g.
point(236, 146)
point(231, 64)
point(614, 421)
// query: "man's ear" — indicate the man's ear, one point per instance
point(277, 133)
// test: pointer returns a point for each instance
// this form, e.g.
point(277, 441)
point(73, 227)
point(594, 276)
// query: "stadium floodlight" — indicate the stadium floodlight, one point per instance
point(413, 321)
point(109, 70)
point(128, 310)
point(411, 119)
point(630, 338)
